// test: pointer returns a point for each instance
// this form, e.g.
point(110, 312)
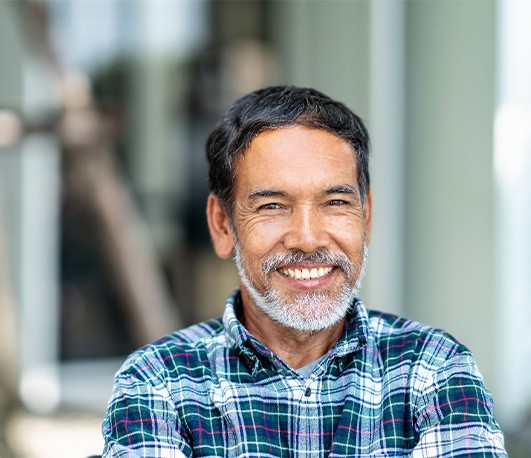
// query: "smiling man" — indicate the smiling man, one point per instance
point(297, 366)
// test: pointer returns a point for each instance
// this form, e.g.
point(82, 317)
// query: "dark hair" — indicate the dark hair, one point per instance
point(272, 108)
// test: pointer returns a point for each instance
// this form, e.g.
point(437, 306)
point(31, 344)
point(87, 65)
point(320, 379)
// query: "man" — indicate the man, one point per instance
point(297, 366)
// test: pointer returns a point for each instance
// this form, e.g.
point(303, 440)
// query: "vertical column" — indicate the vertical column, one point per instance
point(450, 88)
point(384, 289)
point(29, 187)
point(38, 281)
point(512, 166)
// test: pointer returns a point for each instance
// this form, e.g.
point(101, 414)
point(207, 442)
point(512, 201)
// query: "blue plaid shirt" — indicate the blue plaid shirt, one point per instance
point(389, 387)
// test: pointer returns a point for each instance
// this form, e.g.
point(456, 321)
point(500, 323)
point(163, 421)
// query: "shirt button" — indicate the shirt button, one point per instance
point(308, 392)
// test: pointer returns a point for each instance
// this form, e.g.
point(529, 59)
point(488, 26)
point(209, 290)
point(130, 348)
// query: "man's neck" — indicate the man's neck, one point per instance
point(294, 347)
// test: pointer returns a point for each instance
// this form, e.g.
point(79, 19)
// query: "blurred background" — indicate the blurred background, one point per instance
point(105, 106)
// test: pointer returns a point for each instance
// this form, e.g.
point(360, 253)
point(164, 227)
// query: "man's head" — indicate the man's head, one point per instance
point(293, 204)
point(273, 108)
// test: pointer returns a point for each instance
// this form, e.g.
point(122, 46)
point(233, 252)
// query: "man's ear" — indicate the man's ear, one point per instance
point(219, 227)
point(367, 216)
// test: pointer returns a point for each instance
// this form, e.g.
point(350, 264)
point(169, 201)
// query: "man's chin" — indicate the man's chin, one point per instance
point(309, 312)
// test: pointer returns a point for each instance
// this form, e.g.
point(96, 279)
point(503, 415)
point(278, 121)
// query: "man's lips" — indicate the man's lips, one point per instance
point(305, 273)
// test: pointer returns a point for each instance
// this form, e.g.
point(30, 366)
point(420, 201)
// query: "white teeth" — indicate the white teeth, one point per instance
point(306, 274)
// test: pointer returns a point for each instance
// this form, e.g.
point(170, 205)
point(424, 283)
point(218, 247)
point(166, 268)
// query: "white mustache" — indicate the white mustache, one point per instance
point(340, 260)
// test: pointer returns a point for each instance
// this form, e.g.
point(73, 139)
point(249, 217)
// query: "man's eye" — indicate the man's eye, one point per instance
point(337, 202)
point(272, 206)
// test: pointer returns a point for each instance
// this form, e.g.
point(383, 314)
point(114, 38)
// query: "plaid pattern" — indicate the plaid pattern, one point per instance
point(390, 387)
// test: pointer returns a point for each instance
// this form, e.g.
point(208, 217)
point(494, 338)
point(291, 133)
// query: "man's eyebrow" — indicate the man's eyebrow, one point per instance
point(341, 189)
point(261, 193)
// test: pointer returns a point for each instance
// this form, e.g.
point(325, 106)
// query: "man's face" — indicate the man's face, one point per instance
point(300, 227)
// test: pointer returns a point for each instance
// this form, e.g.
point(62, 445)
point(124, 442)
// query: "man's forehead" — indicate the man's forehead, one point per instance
point(297, 153)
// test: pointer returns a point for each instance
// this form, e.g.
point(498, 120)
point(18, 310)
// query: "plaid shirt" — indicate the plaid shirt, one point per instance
point(390, 387)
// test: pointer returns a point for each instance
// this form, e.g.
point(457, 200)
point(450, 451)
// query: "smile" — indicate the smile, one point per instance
point(306, 274)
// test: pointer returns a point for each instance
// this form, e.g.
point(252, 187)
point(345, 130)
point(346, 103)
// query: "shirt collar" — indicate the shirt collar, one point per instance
point(356, 330)
point(354, 337)
point(234, 330)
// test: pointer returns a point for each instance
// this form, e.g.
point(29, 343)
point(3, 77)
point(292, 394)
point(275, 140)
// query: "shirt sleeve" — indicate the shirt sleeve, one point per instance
point(455, 417)
point(141, 420)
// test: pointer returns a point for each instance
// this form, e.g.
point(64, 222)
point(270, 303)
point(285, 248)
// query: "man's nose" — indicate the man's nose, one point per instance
point(306, 231)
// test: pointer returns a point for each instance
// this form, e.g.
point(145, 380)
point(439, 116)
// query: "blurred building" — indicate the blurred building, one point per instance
point(104, 110)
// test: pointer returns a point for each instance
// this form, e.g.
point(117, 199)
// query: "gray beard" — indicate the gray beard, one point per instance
point(305, 312)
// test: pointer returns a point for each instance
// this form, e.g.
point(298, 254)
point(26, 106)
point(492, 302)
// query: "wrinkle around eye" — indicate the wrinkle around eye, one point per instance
point(255, 225)
point(248, 215)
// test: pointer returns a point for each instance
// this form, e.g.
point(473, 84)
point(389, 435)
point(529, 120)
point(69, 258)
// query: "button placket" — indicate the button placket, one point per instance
point(309, 411)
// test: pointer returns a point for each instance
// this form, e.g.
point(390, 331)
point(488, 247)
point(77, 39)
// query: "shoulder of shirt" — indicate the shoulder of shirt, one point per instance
point(413, 340)
point(172, 350)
